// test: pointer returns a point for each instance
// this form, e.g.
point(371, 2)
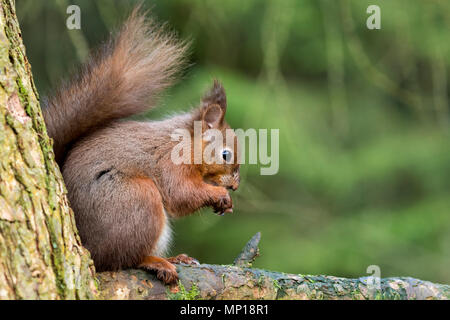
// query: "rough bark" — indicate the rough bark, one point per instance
point(41, 256)
point(239, 281)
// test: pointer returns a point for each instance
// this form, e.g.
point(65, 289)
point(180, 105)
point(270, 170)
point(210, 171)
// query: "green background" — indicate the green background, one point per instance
point(363, 115)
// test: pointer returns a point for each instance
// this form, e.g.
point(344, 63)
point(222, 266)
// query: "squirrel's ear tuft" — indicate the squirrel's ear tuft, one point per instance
point(216, 95)
point(213, 116)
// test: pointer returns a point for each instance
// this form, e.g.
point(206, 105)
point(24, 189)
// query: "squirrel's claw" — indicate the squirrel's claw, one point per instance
point(222, 213)
point(223, 205)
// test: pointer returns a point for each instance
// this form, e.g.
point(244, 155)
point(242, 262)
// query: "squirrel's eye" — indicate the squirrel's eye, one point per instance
point(227, 155)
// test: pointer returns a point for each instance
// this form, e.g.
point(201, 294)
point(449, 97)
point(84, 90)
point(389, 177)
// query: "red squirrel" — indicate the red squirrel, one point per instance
point(121, 182)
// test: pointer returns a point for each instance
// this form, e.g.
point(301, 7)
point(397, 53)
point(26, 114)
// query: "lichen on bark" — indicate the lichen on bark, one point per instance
point(41, 256)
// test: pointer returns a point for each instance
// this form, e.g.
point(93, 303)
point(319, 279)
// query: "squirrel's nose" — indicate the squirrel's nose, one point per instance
point(234, 186)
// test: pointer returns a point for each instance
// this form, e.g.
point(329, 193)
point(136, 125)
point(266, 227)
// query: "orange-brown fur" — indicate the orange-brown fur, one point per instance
point(122, 184)
point(165, 270)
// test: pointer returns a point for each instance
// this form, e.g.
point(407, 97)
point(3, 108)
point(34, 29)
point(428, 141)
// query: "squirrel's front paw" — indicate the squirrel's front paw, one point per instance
point(223, 204)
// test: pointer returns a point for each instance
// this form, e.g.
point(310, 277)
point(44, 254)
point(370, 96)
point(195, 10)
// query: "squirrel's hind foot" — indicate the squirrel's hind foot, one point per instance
point(165, 270)
point(183, 258)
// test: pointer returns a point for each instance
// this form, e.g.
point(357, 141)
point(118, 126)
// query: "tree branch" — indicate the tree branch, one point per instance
point(241, 282)
point(230, 282)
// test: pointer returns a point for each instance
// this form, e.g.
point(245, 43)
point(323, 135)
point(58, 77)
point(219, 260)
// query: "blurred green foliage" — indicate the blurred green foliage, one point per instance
point(363, 116)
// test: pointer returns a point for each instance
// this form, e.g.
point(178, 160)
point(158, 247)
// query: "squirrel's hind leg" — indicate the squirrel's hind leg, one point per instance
point(164, 267)
point(183, 258)
point(127, 223)
point(165, 271)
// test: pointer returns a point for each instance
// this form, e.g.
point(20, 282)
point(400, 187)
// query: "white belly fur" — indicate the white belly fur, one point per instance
point(163, 244)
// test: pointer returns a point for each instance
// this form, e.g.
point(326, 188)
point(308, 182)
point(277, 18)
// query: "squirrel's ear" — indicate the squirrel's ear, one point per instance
point(213, 116)
point(216, 95)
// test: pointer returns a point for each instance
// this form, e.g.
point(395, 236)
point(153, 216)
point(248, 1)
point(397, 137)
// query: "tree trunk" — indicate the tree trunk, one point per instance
point(41, 256)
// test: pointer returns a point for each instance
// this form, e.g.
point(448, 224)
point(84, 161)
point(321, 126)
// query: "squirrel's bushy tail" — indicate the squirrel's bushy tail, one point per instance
point(124, 78)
